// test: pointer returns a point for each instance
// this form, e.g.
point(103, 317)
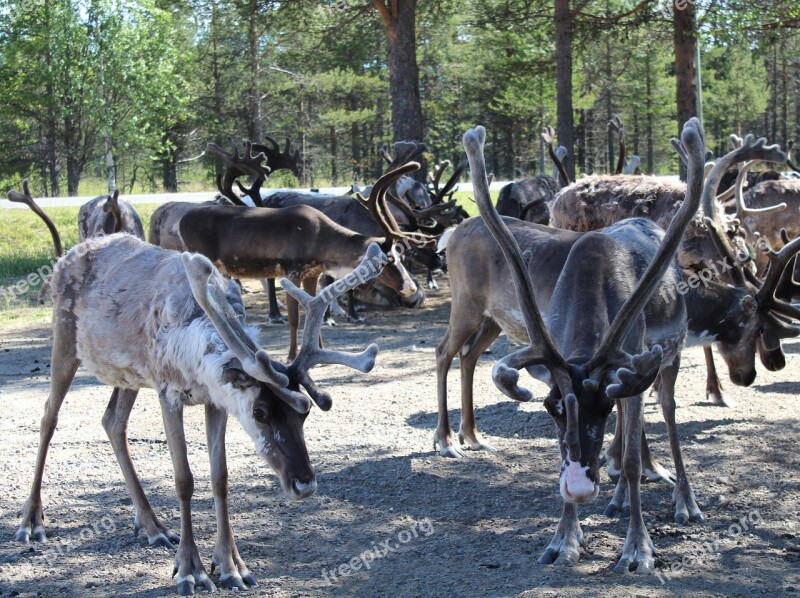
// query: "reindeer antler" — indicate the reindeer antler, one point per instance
point(310, 353)
point(741, 209)
point(548, 133)
point(207, 289)
point(277, 160)
point(778, 260)
point(749, 149)
point(438, 195)
point(237, 165)
point(616, 124)
point(26, 198)
point(376, 204)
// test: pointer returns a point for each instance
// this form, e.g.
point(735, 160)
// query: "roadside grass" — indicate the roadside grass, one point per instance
point(25, 248)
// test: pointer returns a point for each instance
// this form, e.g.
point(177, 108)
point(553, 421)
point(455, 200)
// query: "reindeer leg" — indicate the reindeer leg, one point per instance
point(458, 334)
point(713, 384)
point(637, 551)
point(234, 574)
point(653, 470)
point(468, 430)
point(564, 548)
point(115, 422)
point(188, 565)
point(685, 504)
point(275, 316)
point(431, 281)
point(65, 364)
point(352, 314)
point(292, 308)
point(613, 455)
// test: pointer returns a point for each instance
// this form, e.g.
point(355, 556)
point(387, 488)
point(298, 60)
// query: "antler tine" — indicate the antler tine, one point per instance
point(384, 153)
point(736, 141)
point(789, 163)
point(436, 175)
point(451, 182)
point(678, 147)
point(210, 295)
point(26, 198)
point(741, 209)
point(542, 349)
point(311, 353)
point(632, 165)
point(778, 260)
point(749, 150)
point(611, 346)
point(112, 205)
point(547, 136)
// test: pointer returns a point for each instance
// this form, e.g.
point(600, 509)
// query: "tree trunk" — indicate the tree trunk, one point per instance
point(683, 24)
point(71, 144)
point(610, 137)
point(334, 150)
point(254, 121)
point(564, 34)
point(648, 102)
point(399, 19)
point(169, 165)
point(52, 124)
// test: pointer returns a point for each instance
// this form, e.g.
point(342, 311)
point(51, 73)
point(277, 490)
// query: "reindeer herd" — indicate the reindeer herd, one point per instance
point(603, 281)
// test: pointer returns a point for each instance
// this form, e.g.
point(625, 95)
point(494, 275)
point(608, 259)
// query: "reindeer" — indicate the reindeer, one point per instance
point(174, 324)
point(529, 199)
point(103, 215)
point(298, 242)
point(600, 201)
point(607, 338)
point(480, 312)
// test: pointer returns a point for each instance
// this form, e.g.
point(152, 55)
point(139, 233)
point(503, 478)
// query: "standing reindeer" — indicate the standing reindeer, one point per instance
point(174, 324)
point(598, 348)
point(103, 215)
point(297, 242)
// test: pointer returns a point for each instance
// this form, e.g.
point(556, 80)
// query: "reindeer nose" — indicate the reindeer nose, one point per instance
point(743, 377)
point(576, 485)
point(303, 489)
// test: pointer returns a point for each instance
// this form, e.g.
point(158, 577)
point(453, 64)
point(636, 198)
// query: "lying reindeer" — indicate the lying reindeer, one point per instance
point(174, 324)
point(599, 347)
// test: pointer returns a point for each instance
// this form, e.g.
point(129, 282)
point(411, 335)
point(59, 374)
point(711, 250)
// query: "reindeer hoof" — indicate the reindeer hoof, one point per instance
point(447, 445)
point(277, 320)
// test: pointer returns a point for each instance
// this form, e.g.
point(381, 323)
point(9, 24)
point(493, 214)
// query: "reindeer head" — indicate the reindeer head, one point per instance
point(396, 242)
point(758, 319)
point(273, 408)
point(619, 366)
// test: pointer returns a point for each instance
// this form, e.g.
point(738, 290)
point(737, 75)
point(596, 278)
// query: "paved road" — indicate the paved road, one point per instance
point(159, 198)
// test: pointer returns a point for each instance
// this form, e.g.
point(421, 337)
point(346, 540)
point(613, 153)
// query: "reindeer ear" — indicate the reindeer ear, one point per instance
point(233, 373)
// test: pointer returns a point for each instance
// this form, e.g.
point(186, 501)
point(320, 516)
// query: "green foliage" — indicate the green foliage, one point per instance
point(160, 79)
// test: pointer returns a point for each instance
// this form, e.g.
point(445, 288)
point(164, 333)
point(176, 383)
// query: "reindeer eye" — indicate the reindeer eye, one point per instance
point(260, 414)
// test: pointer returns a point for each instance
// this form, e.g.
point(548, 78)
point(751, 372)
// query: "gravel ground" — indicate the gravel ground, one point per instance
point(466, 527)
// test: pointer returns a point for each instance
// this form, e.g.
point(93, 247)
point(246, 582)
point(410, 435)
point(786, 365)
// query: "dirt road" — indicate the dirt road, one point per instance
point(433, 526)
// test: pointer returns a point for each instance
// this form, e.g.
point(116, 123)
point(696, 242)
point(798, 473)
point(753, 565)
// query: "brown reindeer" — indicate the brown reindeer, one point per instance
point(297, 242)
